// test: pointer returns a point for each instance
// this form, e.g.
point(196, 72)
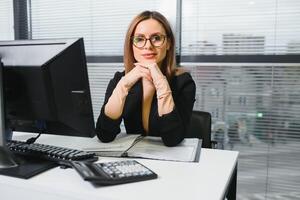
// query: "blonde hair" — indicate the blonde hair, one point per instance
point(169, 62)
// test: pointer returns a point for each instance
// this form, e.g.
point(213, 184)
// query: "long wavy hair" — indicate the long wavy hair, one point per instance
point(169, 62)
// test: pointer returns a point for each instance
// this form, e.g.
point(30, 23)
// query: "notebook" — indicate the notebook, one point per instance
point(137, 146)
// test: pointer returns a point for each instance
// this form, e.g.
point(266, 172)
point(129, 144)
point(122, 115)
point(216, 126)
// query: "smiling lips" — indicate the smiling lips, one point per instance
point(149, 55)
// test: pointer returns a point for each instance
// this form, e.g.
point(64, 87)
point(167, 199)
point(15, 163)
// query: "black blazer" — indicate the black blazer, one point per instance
point(170, 127)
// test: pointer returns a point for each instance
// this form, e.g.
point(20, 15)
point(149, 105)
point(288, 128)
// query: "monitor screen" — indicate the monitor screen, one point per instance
point(46, 87)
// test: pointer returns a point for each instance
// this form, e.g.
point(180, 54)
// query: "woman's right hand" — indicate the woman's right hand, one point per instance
point(135, 74)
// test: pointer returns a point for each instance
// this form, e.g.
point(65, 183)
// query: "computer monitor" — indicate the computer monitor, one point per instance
point(46, 87)
point(6, 160)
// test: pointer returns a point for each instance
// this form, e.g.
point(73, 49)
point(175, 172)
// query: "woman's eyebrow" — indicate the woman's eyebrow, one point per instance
point(155, 33)
point(139, 34)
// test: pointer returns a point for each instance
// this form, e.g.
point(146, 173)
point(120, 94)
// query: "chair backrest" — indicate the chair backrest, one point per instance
point(200, 127)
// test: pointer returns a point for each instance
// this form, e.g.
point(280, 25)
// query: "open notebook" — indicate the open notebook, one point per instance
point(137, 146)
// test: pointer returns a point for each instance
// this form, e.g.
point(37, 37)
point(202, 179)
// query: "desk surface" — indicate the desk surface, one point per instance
point(207, 179)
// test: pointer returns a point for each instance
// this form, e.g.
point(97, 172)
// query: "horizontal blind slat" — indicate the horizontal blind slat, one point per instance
point(6, 20)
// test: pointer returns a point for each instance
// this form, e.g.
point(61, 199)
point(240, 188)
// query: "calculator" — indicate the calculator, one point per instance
point(115, 172)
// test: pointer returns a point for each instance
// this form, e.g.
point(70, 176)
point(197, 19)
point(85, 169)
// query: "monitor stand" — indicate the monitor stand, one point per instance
point(6, 160)
point(25, 167)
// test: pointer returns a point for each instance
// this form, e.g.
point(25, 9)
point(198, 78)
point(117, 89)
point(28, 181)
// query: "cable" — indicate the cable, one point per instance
point(41, 126)
point(33, 139)
point(139, 138)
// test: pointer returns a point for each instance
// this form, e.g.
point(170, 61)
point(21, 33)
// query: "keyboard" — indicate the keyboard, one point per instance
point(60, 155)
point(115, 172)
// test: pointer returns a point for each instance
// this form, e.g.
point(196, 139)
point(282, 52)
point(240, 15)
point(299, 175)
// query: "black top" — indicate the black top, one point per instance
point(171, 127)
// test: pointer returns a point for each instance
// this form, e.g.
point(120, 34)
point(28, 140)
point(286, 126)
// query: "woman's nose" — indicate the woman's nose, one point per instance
point(148, 44)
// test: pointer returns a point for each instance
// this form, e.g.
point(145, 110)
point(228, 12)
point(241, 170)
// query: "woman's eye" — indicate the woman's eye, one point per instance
point(138, 39)
point(155, 38)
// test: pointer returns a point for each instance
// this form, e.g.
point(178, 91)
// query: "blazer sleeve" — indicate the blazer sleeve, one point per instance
point(173, 126)
point(106, 128)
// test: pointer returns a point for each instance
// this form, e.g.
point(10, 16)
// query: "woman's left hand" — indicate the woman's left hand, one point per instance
point(155, 72)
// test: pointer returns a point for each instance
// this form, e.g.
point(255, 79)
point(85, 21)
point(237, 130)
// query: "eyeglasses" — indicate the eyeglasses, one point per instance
point(155, 40)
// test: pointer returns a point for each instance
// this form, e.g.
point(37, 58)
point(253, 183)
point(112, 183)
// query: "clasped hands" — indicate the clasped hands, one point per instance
point(150, 72)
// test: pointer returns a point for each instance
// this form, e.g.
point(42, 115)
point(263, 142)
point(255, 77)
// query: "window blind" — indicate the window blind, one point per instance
point(255, 110)
point(255, 106)
point(103, 24)
point(240, 27)
point(6, 20)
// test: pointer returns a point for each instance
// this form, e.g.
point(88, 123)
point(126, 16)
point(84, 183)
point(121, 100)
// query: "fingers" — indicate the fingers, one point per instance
point(144, 73)
point(153, 68)
point(136, 73)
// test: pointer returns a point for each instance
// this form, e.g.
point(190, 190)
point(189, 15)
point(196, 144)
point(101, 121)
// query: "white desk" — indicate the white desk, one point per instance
point(208, 179)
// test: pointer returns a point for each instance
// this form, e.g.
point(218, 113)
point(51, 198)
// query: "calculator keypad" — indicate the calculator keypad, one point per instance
point(116, 172)
point(122, 169)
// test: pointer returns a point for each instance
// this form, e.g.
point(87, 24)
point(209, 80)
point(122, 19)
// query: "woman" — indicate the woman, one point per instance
point(151, 96)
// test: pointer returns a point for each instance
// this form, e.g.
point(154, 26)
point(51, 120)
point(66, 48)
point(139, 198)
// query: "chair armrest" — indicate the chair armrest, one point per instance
point(214, 144)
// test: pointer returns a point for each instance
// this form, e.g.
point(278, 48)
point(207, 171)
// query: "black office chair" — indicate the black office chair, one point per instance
point(200, 127)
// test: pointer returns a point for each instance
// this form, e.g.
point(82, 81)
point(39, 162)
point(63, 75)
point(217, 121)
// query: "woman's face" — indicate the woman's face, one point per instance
point(156, 43)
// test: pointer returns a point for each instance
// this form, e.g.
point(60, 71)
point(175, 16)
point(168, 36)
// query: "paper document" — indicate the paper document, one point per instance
point(149, 147)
